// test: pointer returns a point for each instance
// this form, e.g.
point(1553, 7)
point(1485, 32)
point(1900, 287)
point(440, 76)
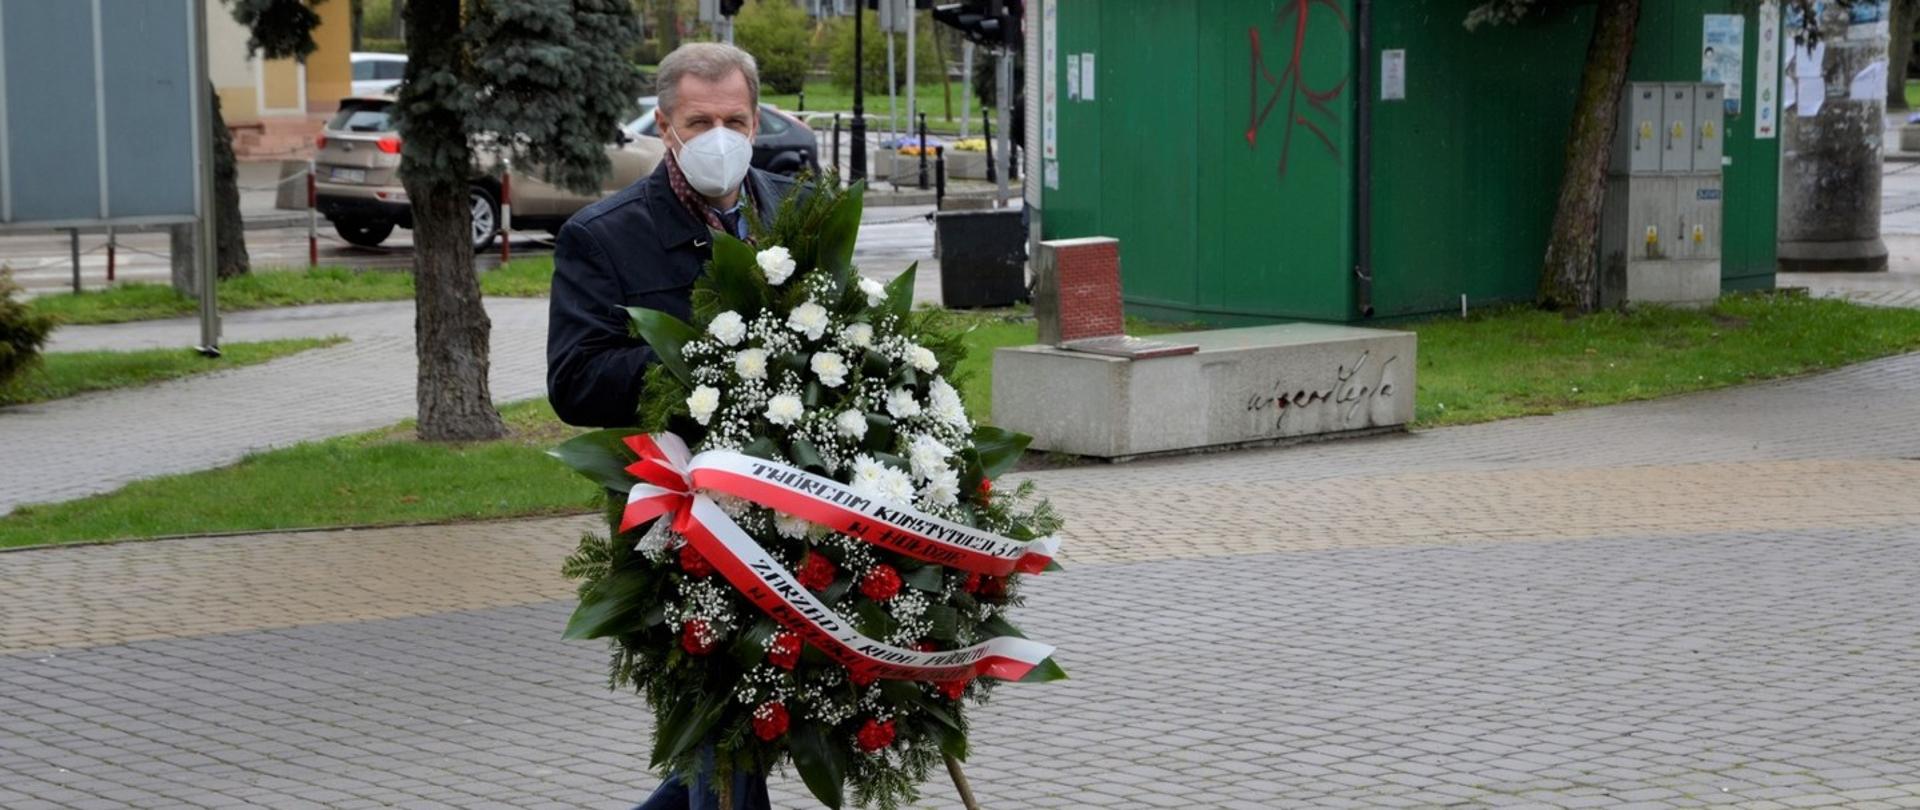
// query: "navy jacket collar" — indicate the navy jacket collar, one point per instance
point(676, 225)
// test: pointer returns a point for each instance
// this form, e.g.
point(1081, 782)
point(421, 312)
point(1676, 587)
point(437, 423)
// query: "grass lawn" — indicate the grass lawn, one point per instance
point(280, 288)
point(1494, 365)
point(63, 374)
point(932, 100)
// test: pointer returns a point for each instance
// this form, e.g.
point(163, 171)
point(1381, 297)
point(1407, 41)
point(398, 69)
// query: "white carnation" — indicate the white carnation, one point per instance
point(944, 403)
point(830, 368)
point(901, 404)
point(927, 456)
point(705, 400)
point(875, 292)
point(809, 319)
point(852, 424)
point(922, 358)
point(728, 328)
point(943, 488)
point(751, 364)
point(858, 334)
point(777, 263)
point(784, 409)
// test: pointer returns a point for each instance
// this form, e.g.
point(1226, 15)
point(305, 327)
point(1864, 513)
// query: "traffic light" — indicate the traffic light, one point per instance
point(729, 8)
point(977, 21)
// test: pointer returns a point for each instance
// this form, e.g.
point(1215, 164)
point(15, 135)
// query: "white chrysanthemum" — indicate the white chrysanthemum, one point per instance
point(943, 487)
point(875, 292)
point(867, 471)
point(790, 526)
point(751, 364)
point(901, 404)
point(922, 358)
point(784, 409)
point(896, 486)
point(852, 424)
point(728, 328)
point(858, 334)
point(943, 401)
point(830, 368)
point(927, 455)
point(809, 319)
point(777, 263)
point(704, 401)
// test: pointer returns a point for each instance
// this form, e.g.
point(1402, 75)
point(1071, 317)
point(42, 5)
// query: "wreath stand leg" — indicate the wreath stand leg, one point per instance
point(960, 783)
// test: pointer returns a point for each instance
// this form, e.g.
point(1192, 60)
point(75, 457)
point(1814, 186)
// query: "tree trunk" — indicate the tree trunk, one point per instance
point(229, 230)
point(1900, 51)
point(1568, 277)
point(451, 329)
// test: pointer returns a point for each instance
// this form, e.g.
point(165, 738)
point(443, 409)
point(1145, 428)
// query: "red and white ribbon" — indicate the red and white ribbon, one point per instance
point(672, 484)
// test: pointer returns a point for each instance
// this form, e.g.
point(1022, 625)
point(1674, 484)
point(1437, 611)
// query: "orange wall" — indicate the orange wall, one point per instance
point(329, 71)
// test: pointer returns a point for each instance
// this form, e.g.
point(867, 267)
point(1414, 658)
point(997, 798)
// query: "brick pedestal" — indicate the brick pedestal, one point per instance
point(1076, 291)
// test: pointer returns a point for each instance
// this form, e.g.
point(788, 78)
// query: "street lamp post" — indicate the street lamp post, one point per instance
point(857, 160)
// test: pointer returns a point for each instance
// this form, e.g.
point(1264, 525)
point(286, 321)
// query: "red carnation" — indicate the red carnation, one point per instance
point(881, 583)
point(862, 677)
point(875, 735)
point(816, 572)
point(784, 652)
point(695, 638)
point(954, 689)
point(972, 585)
point(986, 489)
point(770, 721)
point(992, 587)
point(694, 564)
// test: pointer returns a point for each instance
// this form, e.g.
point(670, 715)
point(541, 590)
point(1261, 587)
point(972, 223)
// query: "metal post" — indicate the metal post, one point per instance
point(74, 242)
point(1003, 82)
point(939, 177)
point(204, 252)
point(913, 76)
point(313, 218)
point(836, 145)
point(893, 89)
point(966, 69)
point(506, 204)
point(923, 151)
point(857, 161)
point(113, 254)
point(801, 102)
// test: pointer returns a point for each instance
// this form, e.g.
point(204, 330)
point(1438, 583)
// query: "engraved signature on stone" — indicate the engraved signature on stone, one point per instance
point(1346, 392)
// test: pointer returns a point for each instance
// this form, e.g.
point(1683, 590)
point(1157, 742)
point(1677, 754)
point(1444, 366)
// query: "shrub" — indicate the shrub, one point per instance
point(776, 33)
point(874, 53)
point(22, 331)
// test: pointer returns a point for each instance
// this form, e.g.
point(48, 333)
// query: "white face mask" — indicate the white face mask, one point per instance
point(714, 161)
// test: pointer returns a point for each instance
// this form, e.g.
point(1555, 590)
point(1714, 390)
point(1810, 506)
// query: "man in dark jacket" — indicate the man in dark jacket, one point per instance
point(644, 247)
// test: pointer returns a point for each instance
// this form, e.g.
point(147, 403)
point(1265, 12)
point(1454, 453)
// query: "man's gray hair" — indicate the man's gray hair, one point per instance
point(712, 61)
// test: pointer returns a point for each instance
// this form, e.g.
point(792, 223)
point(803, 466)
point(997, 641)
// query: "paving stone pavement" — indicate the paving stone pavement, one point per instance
point(97, 442)
point(1704, 600)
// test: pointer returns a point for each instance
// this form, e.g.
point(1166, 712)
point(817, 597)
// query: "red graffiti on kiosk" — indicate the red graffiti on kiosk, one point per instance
point(1293, 85)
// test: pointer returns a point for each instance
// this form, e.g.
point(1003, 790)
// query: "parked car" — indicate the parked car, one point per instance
point(357, 179)
point(785, 145)
point(377, 73)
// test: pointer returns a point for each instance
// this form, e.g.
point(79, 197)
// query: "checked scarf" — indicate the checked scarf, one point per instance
point(696, 204)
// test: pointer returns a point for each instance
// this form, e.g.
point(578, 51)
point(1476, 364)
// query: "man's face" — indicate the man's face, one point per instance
point(703, 105)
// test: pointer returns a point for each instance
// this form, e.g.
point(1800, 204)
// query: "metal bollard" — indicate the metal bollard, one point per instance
point(986, 131)
point(923, 151)
point(836, 145)
point(939, 177)
point(506, 211)
point(313, 219)
point(113, 249)
point(802, 103)
point(74, 236)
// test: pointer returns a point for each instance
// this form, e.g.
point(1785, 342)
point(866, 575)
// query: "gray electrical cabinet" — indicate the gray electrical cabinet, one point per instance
point(1660, 224)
